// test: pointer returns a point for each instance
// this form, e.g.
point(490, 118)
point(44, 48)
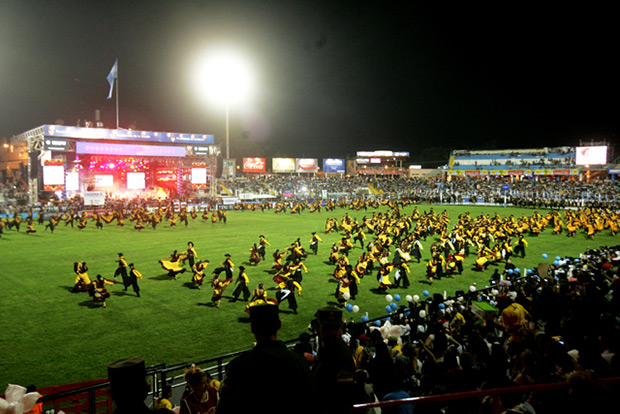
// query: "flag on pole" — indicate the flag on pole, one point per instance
point(111, 76)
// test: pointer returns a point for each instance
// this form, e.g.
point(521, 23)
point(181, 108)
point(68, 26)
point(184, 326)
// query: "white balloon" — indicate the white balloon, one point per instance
point(422, 314)
point(356, 308)
point(409, 298)
point(472, 288)
point(346, 296)
point(389, 298)
point(416, 298)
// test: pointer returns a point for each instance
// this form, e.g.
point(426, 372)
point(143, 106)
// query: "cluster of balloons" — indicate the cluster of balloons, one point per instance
point(352, 308)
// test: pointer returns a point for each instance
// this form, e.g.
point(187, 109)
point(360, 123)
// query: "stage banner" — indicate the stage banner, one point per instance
point(283, 165)
point(306, 165)
point(333, 165)
point(254, 165)
point(61, 131)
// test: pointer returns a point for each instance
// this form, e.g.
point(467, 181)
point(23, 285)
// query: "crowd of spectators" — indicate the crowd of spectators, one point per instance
point(544, 192)
point(551, 326)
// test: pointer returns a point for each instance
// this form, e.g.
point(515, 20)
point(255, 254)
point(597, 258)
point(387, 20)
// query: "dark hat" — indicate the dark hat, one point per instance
point(241, 268)
point(265, 318)
point(120, 254)
point(127, 377)
point(227, 255)
point(329, 316)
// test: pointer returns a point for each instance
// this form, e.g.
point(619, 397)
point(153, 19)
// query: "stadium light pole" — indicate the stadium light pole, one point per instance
point(223, 77)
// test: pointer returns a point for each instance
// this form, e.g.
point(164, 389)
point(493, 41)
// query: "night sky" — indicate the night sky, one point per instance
point(334, 76)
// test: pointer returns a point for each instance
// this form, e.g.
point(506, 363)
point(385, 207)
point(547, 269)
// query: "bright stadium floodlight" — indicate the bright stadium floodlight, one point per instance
point(223, 77)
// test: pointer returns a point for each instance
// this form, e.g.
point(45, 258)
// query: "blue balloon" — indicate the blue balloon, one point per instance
point(529, 271)
point(510, 271)
point(426, 293)
point(517, 270)
point(558, 258)
point(388, 309)
point(378, 323)
point(442, 306)
point(544, 255)
point(576, 260)
point(388, 319)
point(394, 306)
point(364, 318)
point(480, 299)
point(397, 297)
point(555, 263)
point(349, 307)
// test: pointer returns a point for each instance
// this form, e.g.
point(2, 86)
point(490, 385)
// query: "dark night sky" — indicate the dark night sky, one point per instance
point(334, 76)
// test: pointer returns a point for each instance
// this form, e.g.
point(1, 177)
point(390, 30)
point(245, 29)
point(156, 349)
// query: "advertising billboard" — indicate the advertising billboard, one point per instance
point(254, 165)
point(333, 165)
point(596, 155)
point(306, 165)
point(279, 165)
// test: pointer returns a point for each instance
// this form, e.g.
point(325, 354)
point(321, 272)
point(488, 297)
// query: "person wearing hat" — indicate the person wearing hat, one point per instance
point(133, 277)
point(332, 373)
point(227, 267)
point(242, 285)
point(128, 387)
point(218, 286)
point(191, 254)
point(262, 242)
point(268, 369)
point(314, 243)
point(122, 270)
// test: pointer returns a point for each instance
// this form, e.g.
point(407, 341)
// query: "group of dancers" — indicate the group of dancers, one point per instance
point(97, 288)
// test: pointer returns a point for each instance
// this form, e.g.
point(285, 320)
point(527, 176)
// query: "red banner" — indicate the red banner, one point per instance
point(561, 172)
point(254, 165)
point(53, 187)
point(53, 162)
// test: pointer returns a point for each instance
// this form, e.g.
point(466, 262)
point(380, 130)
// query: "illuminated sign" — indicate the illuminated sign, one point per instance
point(333, 165)
point(199, 175)
point(104, 181)
point(307, 165)
point(61, 131)
point(375, 160)
point(382, 154)
point(55, 144)
point(129, 150)
point(591, 155)
point(254, 165)
point(283, 164)
point(53, 175)
point(362, 160)
point(136, 180)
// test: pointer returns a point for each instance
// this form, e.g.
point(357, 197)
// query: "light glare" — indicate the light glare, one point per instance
point(223, 77)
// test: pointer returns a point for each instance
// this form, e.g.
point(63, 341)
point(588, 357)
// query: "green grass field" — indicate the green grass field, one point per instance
point(52, 336)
